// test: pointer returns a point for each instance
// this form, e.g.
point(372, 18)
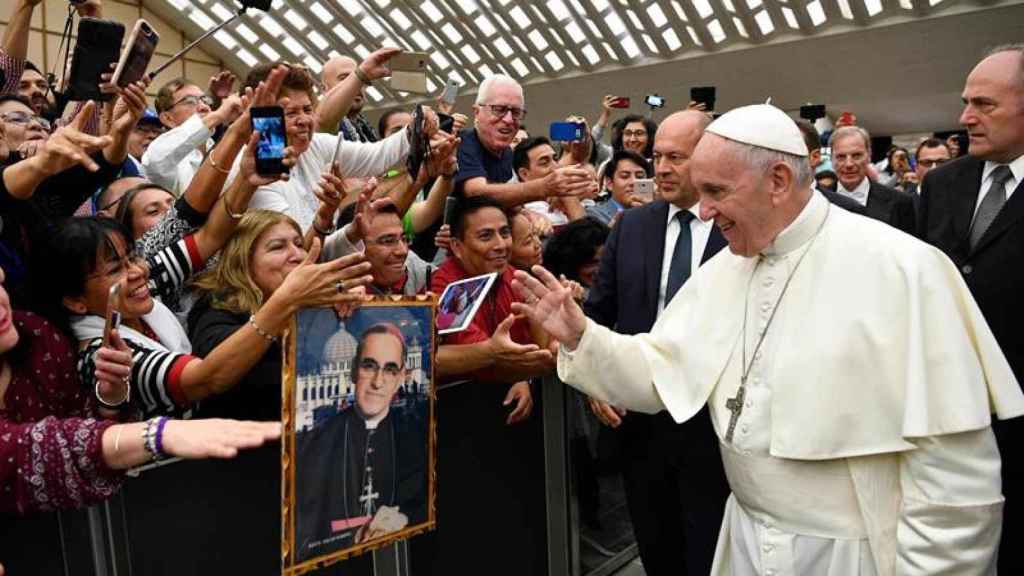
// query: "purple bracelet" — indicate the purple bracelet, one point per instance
point(160, 454)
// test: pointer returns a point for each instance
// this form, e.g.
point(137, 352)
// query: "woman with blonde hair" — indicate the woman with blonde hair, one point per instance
point(254, 275)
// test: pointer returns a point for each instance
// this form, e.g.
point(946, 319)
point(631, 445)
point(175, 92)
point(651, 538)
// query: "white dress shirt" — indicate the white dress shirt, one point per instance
point(295, 196)
point(174, 157)
point(860, 193)
point(700, 231)
point(1017, 171)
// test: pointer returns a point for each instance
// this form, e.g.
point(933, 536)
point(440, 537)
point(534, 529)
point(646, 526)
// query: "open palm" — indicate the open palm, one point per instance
point(549, 304)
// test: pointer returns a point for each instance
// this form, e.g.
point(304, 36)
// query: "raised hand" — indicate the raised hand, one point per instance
point(216, 438)
point(247, 169)
point(550, 305)
point(130, 106)
point(366, 209)
point(71, 145)
point(443, 238)
point(520, 394)
point(375, 66)
point(313, 285)
point(220, 84)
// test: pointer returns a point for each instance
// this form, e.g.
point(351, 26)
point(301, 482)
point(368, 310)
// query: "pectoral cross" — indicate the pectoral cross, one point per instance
point(369, 497)
point(735, 405)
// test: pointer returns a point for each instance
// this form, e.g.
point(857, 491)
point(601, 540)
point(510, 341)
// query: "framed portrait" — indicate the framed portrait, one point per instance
point(460, 301)
point(358, 455)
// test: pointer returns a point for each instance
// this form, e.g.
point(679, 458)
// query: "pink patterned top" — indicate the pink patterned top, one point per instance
point(50, 445)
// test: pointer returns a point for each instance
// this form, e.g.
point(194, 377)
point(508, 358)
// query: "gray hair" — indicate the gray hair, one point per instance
point(492, 82)
point(762, 159)
point(847, 131)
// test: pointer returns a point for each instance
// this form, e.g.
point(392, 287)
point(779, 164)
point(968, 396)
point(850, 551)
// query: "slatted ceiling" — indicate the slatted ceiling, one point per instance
point(532, 40)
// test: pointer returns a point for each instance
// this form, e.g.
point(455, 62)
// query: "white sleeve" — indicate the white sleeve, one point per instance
point(266, 199)
point(611, 367)
point(337, 245)
point(952, 505)
point(357, 159)
point(160, 162)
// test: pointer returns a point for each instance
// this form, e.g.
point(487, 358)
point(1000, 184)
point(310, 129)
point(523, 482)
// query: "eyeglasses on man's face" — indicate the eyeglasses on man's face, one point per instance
point(499, 111)
point(193, 100)
point(24, 118)
point(368, 367)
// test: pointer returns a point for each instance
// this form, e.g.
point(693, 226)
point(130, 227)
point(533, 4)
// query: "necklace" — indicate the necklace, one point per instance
point(735, 404)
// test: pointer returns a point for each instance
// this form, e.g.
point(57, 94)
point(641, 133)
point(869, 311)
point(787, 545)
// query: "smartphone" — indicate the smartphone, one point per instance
point(113, 314)
point(567, 131)
point(409, 72)
point(704, 95)
point(812, 112)
point(449, 209)
point(620, 102)
point(445, 122)
point(644, 189)
point(269, 122)
point(654, 101)
point(451, 90)
point(138, 51)
point(98, 46)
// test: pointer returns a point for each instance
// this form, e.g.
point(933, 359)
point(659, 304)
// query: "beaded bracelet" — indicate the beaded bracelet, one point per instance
point(260, 331)
point(149, 438)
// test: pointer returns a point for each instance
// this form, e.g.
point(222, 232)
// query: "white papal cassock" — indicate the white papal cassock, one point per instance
point(864, 446)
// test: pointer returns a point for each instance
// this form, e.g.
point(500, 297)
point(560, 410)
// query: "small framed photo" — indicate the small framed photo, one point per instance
point(460, 301)
point(358, 456)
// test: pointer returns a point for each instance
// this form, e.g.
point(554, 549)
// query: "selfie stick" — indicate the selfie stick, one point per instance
point(205, 35)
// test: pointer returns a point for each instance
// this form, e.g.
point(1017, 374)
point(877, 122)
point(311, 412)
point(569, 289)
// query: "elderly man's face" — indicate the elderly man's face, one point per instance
point(994, 108)
point(930, 158)
point(734, 195)
point(381, 369)
point(188, 100)
point(498, 128)
point(33, 86)
point(850, 158)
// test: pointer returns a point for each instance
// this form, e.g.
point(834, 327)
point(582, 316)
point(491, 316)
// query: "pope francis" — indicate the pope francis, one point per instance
point(850, 375)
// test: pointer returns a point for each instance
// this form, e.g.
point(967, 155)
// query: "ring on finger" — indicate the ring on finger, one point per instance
point(340, 286)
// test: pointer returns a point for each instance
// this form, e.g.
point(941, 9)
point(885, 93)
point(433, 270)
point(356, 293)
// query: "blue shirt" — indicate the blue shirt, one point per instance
point(475, 161)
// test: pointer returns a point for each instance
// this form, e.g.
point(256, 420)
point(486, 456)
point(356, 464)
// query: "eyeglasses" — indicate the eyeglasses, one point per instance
point(389, 241)
point(26, 118)
point(193, 100)
point(634, 133)
point(370, 368)
point(499, 111)
point(120, 266)
point(933, 163)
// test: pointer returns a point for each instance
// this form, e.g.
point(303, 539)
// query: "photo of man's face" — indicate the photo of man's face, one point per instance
point(379, 371)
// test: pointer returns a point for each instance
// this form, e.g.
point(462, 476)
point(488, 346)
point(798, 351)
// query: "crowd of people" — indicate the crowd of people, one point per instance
point(162, 213)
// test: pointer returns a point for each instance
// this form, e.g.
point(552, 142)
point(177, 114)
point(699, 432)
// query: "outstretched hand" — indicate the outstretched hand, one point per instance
point(550, 305)
point(216, 438)
point(71, 145)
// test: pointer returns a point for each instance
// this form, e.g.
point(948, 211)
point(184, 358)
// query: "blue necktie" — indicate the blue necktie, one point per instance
point(679, 271)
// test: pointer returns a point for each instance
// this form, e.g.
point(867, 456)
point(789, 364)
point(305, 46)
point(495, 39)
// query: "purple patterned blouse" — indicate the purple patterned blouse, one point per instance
point(50, 443)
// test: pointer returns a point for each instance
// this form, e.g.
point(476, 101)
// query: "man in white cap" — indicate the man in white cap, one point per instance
point(849, 374)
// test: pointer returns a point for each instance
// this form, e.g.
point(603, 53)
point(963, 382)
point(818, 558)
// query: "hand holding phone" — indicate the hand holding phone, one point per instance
point(567, 131)
point(138, 51)
point(269, 122)
point(98, 47)
point(644, 190)
point(409, 72)
point(620, 102)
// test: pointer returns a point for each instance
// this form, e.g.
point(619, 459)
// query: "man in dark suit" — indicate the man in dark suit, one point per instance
point(813, 142)
point(973, 209)
point(675, 485)
point(362, 474)
point(851, 154)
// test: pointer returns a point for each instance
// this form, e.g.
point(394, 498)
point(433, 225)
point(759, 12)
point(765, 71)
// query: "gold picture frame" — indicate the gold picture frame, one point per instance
point(412, 316)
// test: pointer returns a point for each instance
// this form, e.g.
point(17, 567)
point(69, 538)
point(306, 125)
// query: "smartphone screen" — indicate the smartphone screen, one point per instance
point(566, 131)
point(655, 101)
point(269, 122)
point(142, 45)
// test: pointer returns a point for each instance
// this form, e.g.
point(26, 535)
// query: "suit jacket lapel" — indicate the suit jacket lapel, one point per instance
point(965, 191)
point(654, 251)
point(879, 203)
point(1010, 213)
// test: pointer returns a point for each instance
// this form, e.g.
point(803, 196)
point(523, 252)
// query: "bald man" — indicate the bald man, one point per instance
point(675, 486)
point(354, 127)
point(972, 209)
